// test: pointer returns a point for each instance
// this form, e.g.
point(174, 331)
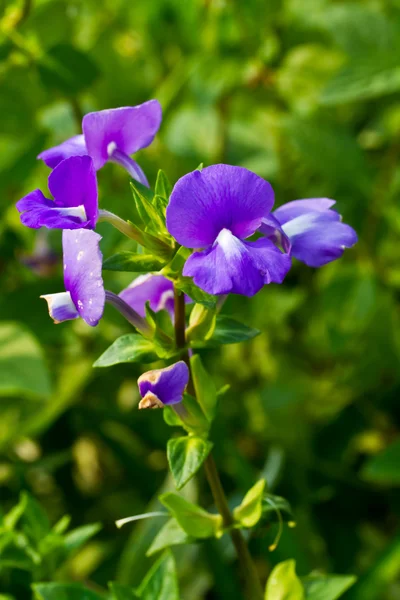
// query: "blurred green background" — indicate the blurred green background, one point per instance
point(306, 93)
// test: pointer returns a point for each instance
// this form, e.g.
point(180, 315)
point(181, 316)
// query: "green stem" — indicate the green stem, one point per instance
point(253, 585)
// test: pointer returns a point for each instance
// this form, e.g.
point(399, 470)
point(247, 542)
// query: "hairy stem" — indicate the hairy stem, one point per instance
point(253, 585)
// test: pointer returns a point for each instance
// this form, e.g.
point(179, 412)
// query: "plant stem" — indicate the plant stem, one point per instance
point(253, 585)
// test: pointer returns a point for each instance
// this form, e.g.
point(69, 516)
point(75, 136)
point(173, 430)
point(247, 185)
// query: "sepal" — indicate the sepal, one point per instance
point(249, 512)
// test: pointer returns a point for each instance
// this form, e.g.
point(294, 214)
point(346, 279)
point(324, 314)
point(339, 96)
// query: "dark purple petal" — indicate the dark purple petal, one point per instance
point(75, 146)
point(73, 183)
point(82, 273)
point(317, 238)
point(234, 266)
point(127, 129)
point(156, 289)
point(37, 211)
point(163, 386)
point(61, 308)
point(219, 197)
point(294, 209)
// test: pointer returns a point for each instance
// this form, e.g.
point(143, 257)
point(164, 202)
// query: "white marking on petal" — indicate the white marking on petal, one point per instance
point(61, 307)
point(111, 147)
point(80, 255)
point(78, 212)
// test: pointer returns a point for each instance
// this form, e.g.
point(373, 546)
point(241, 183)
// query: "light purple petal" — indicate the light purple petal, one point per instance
point(317, 238)
point(37, 211)
point(128, 129)
point(75, 146)
point(156, 289)
point(167, 385)
point(219, 197)
point(61, 308)
point(294, 209)
point(234, 266)
point(82, 273)
point(73, 183)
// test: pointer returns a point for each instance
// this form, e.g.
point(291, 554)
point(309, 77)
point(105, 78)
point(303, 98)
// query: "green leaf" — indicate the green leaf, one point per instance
point(227, 331)
point(121, 592)
point(195, 421)
point(76, 538)
point(67, 69)
point(22, 367)
point(63, 591)
point(249, 512)
point(163, 186)
point(201, 323)
point(326, 587)
point(384, 467)
point(171, 534)
point(161, 581)
point(131, 347)
point(133, 262)
point(283, 583)
point(185, 457)
point(193, 519)
point(186, 285)
point(206, 392)
point(149, 216)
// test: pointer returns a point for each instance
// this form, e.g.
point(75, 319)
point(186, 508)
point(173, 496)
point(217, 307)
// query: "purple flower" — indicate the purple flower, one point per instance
point(74, 188)
point(112, 134)
point(156, 289)
point(310, 231)
point(84, 296)
point(163, 386)
point(217, 209)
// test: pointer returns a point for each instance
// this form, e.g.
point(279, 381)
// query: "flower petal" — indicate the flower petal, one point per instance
point(61, 308)
point(156, 289)
point(271, 228)
point(233, 266)
point(128, 129)
point(82, 273)
point(317, 238)
point(75, 146)
point(294, 209)
point(219, 197)
point(73, 183)
point(37, 211)
point(166, 385)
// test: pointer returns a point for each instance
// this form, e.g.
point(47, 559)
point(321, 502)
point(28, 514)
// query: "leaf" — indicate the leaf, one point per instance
point(171, 534)
point(206, 392)
point(283, 583)
point(201, 323)
point(186, 285)
point(63, 591)
point(133, 263)
point(228, 331)
point(193, 519)
point(74, 539)
point(22, 367)
point(161, 581)
point(148, 214)
point(326, 587)
point(34, 521)
point(195, 420)
point(185, 457)
point(67, 69)
point(249, 512)
point(384, 467)
point(121, 592)
point(163, 186)
point(131, 347)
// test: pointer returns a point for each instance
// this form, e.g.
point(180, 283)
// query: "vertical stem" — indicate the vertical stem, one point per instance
point(253, 585)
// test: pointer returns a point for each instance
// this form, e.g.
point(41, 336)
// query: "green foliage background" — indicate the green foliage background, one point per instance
point(306, 94)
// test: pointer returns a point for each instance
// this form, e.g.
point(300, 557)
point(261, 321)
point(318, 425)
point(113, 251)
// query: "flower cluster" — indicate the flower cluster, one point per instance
point(222, 214)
